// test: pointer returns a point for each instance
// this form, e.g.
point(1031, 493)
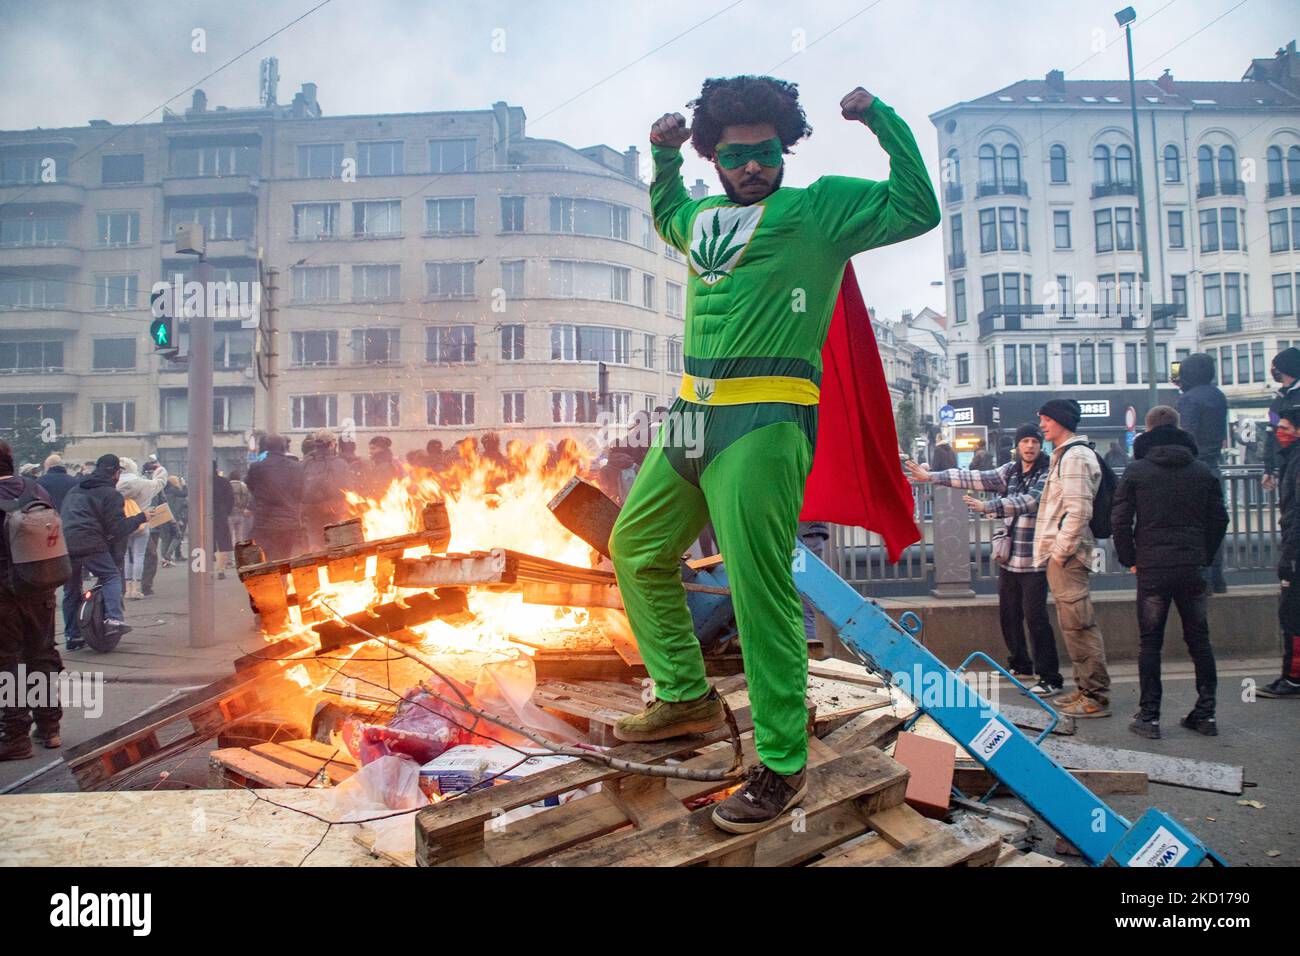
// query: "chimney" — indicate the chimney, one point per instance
point(200, 101)
point(1166, 82)
point(1056, 80)
point(632, 163)
point(501, 146)
point(699, 190)
point(907, 317)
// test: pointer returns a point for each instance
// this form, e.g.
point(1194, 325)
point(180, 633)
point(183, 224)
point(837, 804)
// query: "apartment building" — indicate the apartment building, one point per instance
point(439, 274)
point(1038, 185)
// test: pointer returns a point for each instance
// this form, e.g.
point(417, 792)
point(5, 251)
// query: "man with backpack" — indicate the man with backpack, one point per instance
point(32, 559)
point(1079, 484)
point(1169, 521)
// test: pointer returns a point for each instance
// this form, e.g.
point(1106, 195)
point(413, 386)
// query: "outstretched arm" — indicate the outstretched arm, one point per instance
point(670, 203)
point(861, 214)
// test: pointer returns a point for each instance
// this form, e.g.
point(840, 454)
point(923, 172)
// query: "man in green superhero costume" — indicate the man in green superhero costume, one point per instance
point(765, 269)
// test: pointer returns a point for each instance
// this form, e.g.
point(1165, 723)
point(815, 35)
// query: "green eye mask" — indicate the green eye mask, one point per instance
point(735, 155)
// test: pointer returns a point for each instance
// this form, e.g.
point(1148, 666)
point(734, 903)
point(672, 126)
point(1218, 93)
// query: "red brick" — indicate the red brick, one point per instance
point(931, 762)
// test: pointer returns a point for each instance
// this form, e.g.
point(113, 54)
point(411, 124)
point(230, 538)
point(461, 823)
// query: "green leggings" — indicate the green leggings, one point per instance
point(752, 490)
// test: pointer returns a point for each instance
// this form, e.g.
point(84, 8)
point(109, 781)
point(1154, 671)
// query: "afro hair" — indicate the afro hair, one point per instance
point(739, 100)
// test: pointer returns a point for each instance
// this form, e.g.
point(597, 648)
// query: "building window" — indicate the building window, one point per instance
point(1213, 286)
point(1173, 170)
point(1101, 165)
point(1105, 230)
point(117, 228)
point(375, 346)
point(1243, 364)
point(512, 278)
point(1009, 365)
point(112, 417)
point(315, 348)
point(1057, 154)
point(988, 157)
point(214, 160)
point(50, 231)
point(648, 291)
point(1209, 230)
point(32, 293)
point(988, 230)
point(127, 168)
point(1106, 363)
point(512, 213)
point(449, 217)
point(589, 217)
point(1282, 301)
point(1277, 230)
point(453, 155)
point(1123, 166)
point(1176, 237)
point(317, 220)
point(227, 221)
point(454, 344)
point(958, 239)
point(1087, 364)
point(674, 356)
point(35, 356)
point(376, 283)
point(19, 170)
point(1228, 229)
point(376, 409)
point(512, 342)
point(573, 408)
point(512, 408)
point(320, 161)
point(316, 283)
point(116, 291)
point(449, 280)
point(1232, 298)
point(381, 158)
point(1227, 168)
point(113, 354)
point(1124, 229)
point(1226, 376)
point(1178, 295)
point(1061, 228)
point(590, 343)
point(959, 300)
point(372, 220)
point(963, 369)
point(1257, 361)
point(574, 279)
point(648, 232)
point(1069, 364)
point(449, 408)
point(314, 411)
point(1007, 228)
point(1010, 165)
point(1205, 170)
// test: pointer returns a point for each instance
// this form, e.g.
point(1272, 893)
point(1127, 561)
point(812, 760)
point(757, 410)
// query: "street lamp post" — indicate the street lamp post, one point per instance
point(1125, 19)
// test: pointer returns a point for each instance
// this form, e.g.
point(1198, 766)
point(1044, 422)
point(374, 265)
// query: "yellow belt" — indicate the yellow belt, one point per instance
point(748, 391)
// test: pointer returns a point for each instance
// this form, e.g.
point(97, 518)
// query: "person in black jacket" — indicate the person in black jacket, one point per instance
point(95, 527)
point(56, 481)
point(1286, 372)
point(1167, 521)
point(325, 478)
point(223, 503)
point(1288, 612)
point(276, 485)
point(1203, 412)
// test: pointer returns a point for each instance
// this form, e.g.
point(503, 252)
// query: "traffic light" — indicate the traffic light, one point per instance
point(162, 330)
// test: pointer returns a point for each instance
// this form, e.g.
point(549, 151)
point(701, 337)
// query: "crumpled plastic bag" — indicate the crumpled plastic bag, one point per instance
point(386, 783)
point(505, 688)
point(422, 728)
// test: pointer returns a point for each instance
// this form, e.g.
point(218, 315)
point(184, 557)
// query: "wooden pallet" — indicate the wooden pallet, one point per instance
point(291, 764)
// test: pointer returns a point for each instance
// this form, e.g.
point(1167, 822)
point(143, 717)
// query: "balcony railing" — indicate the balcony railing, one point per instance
point(1003, 189)
point(1261, 322)
point(953, 192)
point(1041, 318)
point(1223, 187)
point(1100, 190)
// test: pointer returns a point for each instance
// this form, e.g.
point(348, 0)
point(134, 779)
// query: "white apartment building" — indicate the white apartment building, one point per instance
point(1038, 186)
point(440, 275)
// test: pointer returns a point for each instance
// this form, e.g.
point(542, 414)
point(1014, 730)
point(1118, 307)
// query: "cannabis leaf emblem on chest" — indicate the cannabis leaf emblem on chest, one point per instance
point(720, 235)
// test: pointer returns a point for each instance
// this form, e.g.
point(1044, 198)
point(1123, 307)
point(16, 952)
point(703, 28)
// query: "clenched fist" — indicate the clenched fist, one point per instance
point(670, 130)
point(854, 105)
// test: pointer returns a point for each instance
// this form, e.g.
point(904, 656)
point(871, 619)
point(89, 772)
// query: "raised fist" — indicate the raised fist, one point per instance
point(670, 130)
point(855, 104)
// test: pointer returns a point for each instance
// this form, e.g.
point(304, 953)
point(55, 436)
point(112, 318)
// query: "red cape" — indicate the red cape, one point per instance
point(856, 478)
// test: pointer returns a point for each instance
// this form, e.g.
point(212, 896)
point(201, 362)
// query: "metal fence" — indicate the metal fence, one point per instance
point(1250, 549)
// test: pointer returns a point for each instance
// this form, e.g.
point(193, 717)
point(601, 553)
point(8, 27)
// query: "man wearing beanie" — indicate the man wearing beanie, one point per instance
point(1063, 545)
point(1022, 587)
point(1203, 411)
point(1286, 372)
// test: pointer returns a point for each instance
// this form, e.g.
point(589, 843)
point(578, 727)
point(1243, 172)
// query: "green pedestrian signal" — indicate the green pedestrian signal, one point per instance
point(163, 332)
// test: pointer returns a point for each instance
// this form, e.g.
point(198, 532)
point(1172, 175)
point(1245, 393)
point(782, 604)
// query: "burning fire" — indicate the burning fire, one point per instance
point(492, 503)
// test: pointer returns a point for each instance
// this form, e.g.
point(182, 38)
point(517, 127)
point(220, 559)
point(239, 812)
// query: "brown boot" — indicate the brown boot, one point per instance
point(15, 748)
point(48, 737)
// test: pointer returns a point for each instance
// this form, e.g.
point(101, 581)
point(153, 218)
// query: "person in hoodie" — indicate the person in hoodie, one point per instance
point(1167, 521)
point(94, 524)
point(1286, 372)
point(141, 490)
point(1288, 566)
point(26, 637)
point(1203, 410)
point(325, 478)
point(276, 485)
point(56, 481)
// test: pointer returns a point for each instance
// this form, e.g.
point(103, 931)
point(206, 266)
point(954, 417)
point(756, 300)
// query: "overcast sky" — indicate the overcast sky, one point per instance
point(63, 62)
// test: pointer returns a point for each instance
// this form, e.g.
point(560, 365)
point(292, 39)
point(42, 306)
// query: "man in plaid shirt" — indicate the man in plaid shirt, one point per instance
point(1022, 587)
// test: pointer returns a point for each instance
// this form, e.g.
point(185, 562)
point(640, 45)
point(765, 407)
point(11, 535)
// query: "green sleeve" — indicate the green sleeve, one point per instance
point(861, 214)
point(670, 203)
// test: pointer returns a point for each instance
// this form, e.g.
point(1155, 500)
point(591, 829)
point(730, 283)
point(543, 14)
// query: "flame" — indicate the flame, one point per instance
point(492, 501)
